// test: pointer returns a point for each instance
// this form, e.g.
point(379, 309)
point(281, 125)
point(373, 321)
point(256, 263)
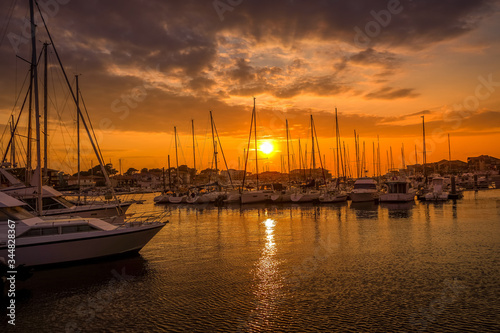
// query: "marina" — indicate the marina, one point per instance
point(267, 168)
point(428, 266)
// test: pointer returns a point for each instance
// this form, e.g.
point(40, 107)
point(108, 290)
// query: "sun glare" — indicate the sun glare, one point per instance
point(266, 148)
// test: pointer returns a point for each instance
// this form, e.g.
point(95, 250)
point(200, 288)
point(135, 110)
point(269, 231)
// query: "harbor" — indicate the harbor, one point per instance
point(429, 266)
point(283, 167)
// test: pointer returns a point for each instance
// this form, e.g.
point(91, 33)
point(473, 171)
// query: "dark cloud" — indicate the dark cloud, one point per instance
point(391, 93)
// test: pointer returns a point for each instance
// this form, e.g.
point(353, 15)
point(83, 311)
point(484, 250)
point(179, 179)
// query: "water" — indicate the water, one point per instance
point(351, 268)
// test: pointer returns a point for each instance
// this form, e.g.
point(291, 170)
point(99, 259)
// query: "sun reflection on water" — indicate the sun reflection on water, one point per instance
point(268, 280)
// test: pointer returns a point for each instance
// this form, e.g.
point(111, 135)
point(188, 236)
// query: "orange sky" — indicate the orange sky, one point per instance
point(147, 68)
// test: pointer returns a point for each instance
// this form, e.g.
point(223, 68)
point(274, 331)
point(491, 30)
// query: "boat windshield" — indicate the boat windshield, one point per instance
point(14, 213)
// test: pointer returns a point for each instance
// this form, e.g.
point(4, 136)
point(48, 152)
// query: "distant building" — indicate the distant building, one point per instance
point(483, 163)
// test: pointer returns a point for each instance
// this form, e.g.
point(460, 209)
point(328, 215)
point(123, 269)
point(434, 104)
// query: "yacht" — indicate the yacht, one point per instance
point(398, 190)
point(365, 189)
point(43, 241)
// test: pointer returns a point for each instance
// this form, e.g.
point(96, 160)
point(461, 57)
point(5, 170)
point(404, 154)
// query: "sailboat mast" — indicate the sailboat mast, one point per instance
point(312, 141)
point(214, 143)
point(37, 108)
point(288, 151)
point(194, 146)
point(176, 157)
point(13, 146)
point(256, 147)
point(78, 133)
point(424, 154)
point(169, 175)
point(337, 139)
point(45, 110)
point(449, 153)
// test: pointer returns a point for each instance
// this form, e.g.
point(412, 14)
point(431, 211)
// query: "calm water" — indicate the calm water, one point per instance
point(350, 268)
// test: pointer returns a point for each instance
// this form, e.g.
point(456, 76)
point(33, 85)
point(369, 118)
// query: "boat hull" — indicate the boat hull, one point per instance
point(38, 252)
point(397, 197)
point(363, 196)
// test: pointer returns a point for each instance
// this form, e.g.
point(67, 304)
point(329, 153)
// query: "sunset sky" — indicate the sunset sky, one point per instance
point(147, 66)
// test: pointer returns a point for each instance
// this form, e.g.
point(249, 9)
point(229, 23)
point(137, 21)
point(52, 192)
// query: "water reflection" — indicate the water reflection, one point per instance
point(365, 210)
point(267, 277)
point(399, 210)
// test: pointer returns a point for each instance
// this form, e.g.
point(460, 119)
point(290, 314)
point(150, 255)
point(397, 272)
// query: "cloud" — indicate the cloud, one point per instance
point(391, 93)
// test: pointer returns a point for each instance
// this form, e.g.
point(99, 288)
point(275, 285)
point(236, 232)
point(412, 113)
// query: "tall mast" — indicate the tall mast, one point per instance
point(78, 132)
point(37, 109)
point(256, 151)
point(29, 149)
point(13, 146)
point(312, 141)
point(176, 157)
point(373, 155)
point(288, 151)
point(403, 155)
point(169, 175)
point(194, 147)
point(423, 133)
point(337, 139)
point(449, 153)
point(214, 143)
point(45, 110)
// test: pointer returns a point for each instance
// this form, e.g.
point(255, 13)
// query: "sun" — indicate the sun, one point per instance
point(266, 147)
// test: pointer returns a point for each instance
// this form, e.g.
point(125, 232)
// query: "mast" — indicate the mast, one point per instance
point(373, 155)
point(312, 141)
point(45, 109)
point(13, 146)
point(449, 153)
point(176, 157)
point(194, 146)
point(78, 133)
point(337, 139)
point(288, 151)
point(29, 149)
point(403, 155)
point(319, 152)
point(256, 151)
point(169, 175)
point(424, 154)
point(214, 143)
point(37, 109)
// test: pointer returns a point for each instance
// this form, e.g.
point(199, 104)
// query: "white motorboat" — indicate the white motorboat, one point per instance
point(364, 190)
point(437, 190)
point(398, 190)
point(53, 241)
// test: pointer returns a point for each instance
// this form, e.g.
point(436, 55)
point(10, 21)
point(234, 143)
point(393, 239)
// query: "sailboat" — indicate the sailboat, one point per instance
point(309, 194)
point(40, 241)
point(336, 194)
point(258, 195)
